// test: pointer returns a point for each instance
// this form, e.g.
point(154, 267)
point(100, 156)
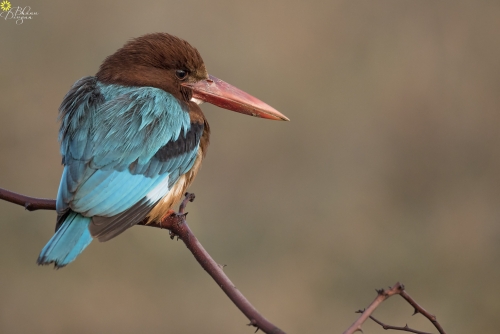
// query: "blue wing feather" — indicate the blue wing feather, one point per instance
point(126, 196)
point(111, 190)
point(135, 196)
point(96, 185)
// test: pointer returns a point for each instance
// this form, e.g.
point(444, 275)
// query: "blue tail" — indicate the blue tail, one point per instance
point(68, 242)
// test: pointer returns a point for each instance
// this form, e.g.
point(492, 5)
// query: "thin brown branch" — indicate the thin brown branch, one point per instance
point(29, 203)
point(421, 310)
point(33, 204)
point(397, 328)
point(381, 296)
point(177, 225)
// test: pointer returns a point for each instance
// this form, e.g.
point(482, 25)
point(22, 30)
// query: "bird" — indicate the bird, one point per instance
point(132, 139)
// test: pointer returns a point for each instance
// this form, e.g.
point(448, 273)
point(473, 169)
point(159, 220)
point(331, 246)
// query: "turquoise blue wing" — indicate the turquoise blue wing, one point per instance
point(123, 148)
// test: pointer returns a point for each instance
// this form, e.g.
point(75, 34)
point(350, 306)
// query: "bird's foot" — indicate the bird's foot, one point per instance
point(178, 217)
point(175, 218)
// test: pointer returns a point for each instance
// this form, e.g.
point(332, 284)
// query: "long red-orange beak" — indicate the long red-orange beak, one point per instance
point(224, 95)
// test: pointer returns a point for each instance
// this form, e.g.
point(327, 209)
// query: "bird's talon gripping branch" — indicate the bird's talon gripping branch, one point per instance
point(173, 235)
point(172, 220)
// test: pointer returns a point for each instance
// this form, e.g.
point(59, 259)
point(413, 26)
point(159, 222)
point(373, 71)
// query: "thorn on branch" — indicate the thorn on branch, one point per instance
point(190, 196)
point(254, 324)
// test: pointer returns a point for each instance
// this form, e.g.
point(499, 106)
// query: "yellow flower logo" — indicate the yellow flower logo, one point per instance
point(5, 5)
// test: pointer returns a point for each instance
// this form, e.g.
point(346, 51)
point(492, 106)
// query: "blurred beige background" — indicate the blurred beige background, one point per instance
point(389, 169)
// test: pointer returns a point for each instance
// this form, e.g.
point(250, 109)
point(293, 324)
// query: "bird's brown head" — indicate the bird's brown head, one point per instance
point(155, 60)
point(167, 62)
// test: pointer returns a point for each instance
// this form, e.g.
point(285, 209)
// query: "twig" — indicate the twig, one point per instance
point(404, 329)
point(397, 289)
point(177, 225)
point(29, 203)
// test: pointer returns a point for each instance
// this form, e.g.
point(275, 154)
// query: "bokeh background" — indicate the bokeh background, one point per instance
point(389, 169)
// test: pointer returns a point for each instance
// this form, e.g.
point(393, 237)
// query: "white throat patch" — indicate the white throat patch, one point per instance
point(197, 101)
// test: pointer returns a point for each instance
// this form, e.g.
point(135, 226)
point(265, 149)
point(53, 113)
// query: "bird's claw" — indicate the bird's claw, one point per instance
point(177, 218)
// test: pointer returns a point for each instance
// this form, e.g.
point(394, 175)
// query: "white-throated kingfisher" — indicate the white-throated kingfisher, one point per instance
point(132, 140)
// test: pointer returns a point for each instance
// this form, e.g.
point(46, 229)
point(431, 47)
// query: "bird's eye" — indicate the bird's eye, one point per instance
point(181, 74)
